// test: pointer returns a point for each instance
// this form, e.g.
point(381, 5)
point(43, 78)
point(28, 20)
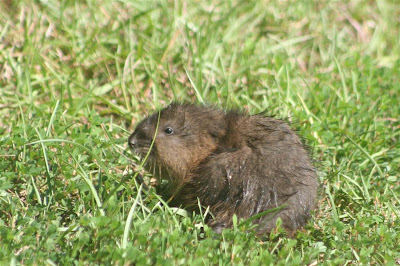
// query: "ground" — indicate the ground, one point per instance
point(75, 77)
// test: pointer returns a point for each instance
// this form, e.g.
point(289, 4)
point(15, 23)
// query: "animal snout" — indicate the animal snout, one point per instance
point(132, 141)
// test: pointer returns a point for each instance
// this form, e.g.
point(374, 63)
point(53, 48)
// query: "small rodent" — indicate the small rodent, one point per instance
point(232, 162)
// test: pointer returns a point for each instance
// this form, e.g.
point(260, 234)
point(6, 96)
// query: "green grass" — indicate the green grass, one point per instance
point(75, 76)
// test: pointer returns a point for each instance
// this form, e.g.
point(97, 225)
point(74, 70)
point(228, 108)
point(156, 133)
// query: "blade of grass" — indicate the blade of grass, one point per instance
point(343, 79)
point(129, 219)
point(98, 160)
point(366, 154)
point(90, 184)
point(46, 161)
point(333, 207)
point(261, 214)
point(39, 198)
point(53, 115)
point(198, 94)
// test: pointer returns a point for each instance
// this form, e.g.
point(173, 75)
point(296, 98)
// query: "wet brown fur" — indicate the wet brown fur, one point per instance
point(233, 162)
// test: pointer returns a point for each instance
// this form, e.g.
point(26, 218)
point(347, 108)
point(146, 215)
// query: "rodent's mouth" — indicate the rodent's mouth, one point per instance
point(142, 151)
point(151, 164)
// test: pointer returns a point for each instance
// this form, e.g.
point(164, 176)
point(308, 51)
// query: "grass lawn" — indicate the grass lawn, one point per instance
point(75, 77)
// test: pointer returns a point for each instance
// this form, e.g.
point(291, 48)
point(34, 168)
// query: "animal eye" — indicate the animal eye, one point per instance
point(168, 130)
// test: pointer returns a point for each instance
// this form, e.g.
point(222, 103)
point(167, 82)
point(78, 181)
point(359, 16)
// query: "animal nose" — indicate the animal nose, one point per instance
point(132, 141)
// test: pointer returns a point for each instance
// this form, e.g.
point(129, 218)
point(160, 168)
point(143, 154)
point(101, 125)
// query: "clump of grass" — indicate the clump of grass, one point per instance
point(76, 76)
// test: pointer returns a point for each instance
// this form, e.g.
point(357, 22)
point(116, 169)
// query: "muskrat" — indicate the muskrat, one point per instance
point(232, 162)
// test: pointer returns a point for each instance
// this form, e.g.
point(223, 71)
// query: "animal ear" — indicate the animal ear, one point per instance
point(177, 110)
point(216, 131)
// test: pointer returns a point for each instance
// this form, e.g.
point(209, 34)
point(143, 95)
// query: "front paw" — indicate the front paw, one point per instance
point(217, 226)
